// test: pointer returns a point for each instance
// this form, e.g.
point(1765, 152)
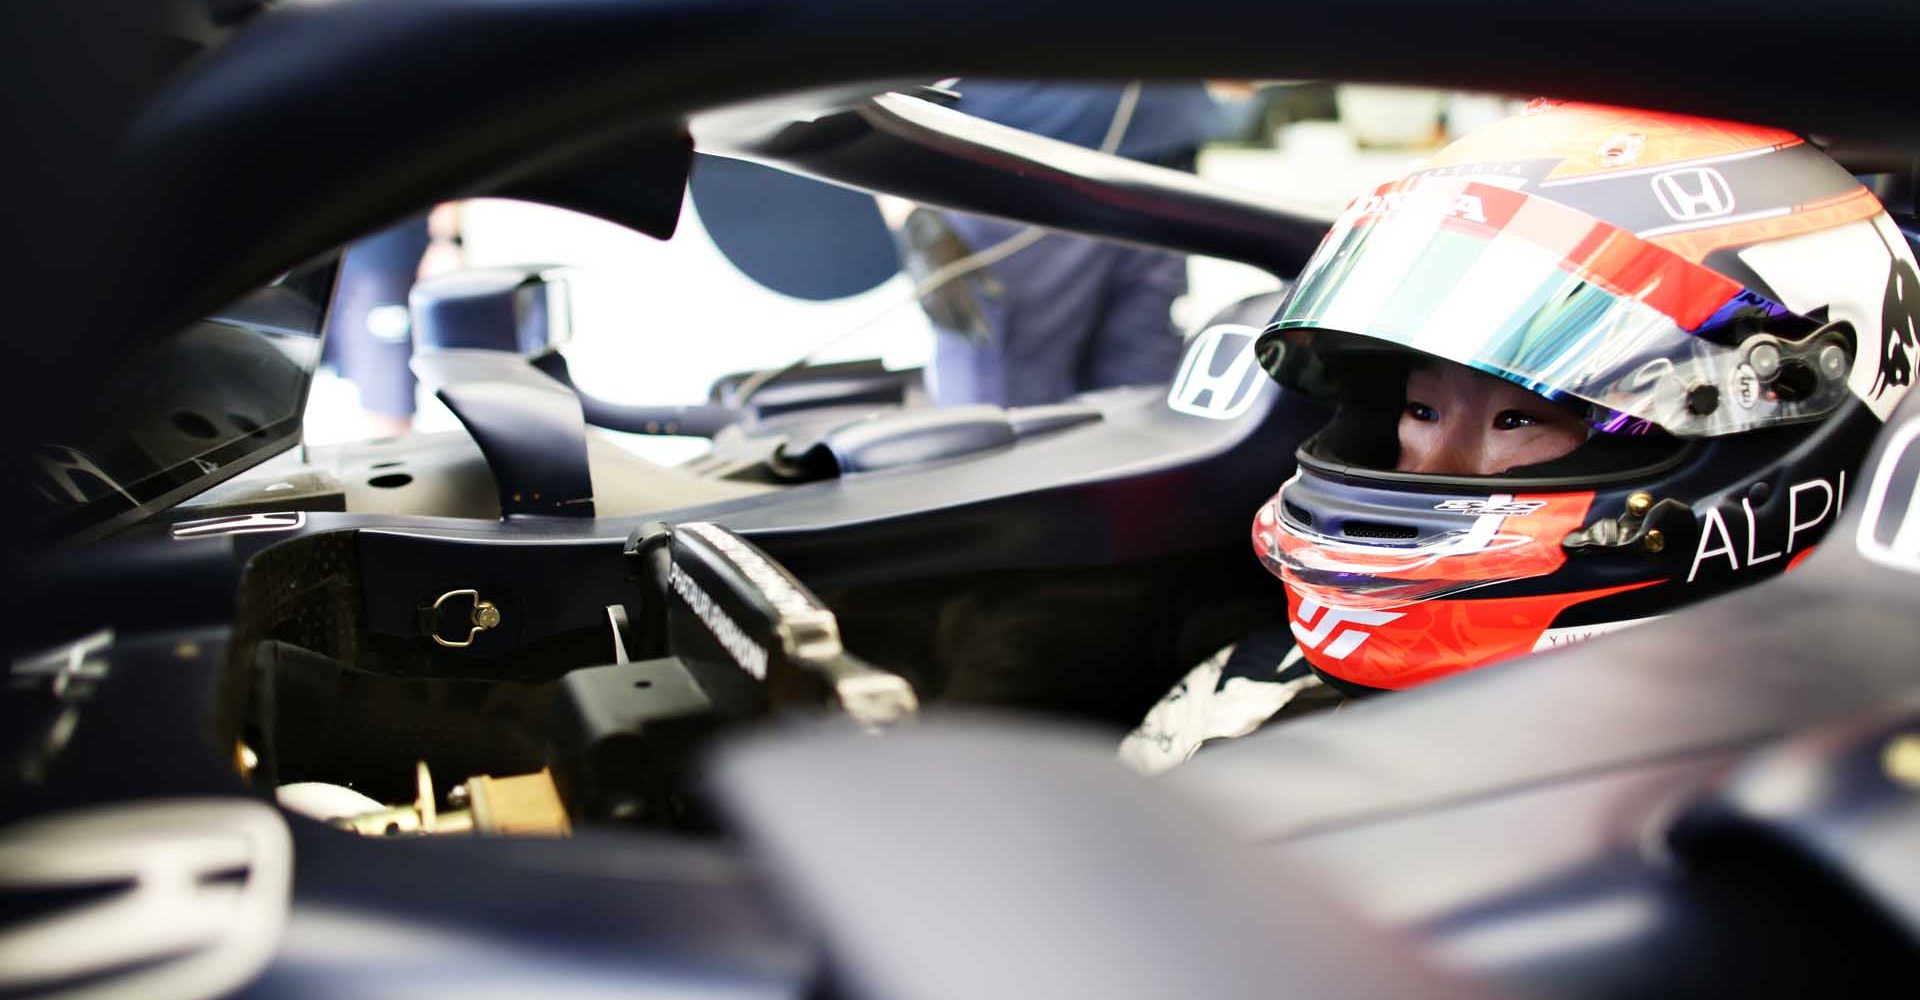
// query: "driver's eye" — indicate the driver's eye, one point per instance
point(1509, 420)
point(1422, 412)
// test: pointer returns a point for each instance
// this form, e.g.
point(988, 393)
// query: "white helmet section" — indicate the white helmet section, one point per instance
point(1862, 272)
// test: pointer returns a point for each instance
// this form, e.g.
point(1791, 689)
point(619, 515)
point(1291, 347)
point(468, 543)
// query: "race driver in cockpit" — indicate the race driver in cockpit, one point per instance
point(1588, 365)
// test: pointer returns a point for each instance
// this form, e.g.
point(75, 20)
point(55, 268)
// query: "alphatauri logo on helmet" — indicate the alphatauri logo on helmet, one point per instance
point(1203, 389)
point(1338, 628)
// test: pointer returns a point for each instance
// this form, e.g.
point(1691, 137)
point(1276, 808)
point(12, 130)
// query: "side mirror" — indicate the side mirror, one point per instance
point(523, 309)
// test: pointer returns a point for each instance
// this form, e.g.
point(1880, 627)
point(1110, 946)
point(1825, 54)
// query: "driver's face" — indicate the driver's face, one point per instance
point(1461, 422)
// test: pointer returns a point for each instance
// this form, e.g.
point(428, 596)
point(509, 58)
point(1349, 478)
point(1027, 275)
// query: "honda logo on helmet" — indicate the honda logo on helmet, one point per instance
point(1206, 388)
point(1694, 193)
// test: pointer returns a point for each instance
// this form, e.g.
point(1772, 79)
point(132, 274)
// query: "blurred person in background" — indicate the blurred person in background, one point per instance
point(1038, 316)
point(1573, 391)
point(369, 336)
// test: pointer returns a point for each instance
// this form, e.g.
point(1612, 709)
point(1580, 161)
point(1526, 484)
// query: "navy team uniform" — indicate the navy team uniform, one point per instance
point(368, 335)
point(1068, 314)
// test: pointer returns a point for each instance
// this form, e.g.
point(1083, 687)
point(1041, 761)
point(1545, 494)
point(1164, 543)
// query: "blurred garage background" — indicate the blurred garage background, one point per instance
point(658, 322)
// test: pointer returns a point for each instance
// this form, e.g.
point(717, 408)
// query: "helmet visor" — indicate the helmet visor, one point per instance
point(1564, 304)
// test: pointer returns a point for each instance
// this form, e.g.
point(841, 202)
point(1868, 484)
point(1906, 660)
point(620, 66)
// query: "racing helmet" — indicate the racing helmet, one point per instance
point(1728, 312)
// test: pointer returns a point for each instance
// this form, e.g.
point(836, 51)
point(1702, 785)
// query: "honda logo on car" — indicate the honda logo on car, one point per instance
point(1693, 193)
point(1199, 391)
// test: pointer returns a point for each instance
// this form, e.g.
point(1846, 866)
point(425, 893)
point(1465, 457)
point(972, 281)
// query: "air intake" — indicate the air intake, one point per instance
point(1374, 529)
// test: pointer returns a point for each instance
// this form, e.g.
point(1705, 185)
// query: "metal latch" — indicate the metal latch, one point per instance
point(1645, 525)
point(485, 615)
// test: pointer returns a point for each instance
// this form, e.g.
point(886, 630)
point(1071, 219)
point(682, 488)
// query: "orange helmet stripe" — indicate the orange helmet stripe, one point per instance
point(1581, 136)
point(1428, 641)
point(1695, 245)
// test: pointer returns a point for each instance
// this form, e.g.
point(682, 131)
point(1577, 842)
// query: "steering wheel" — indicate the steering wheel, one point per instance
point(752, 632)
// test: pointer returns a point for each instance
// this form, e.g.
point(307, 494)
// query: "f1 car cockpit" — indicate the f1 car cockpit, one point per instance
point(831, 710)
